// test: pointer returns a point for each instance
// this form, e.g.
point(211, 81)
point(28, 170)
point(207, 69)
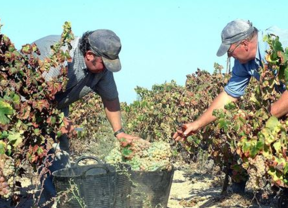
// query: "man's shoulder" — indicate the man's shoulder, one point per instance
point(48, 38)
point(45, 43)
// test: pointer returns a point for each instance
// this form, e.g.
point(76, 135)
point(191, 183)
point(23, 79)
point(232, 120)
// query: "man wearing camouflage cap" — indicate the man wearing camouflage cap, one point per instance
point(242, 41)
point(94, 59)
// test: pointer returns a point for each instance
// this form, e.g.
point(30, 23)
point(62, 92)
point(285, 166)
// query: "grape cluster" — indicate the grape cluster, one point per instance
point(4, 188)
point(114, 156)
point(145, 157)
point(7, 171)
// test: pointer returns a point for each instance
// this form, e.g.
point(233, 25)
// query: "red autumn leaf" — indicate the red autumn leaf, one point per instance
point(67, 126)
point(26, 49)
point(54, 87)
point(35, 148)
point(40, 104)
point(35, 49)
point(35, 125)
point(24, 111)
point(51, 120)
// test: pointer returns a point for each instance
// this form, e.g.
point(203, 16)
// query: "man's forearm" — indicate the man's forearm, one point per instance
point(219, 102)
point(280, 107)
point(112, 110)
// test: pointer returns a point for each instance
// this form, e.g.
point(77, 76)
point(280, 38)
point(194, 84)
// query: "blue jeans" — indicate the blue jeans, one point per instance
point(60, 152)
point(61, 160)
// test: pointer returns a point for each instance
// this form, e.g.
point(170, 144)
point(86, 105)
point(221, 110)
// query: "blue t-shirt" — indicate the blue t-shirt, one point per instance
point(241, 73)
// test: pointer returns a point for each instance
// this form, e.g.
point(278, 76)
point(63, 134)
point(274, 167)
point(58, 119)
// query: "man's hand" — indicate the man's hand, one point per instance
point(185, 130)
point(126, 139)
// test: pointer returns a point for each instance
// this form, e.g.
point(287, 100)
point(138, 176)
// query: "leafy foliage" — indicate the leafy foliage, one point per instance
point(158, 111)
point(28, 114)
point(86, 114)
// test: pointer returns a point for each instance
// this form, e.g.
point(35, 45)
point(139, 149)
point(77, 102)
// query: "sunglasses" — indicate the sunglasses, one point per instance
point(231, 52)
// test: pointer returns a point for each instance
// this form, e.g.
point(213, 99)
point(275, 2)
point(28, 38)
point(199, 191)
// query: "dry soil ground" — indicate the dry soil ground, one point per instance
point(193, 185)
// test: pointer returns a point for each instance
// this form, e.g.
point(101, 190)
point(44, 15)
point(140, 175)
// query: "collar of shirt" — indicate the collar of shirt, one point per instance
point(77, 69)
point(262, 46)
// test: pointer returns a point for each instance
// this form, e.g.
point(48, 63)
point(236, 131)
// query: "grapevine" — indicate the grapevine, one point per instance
point(28, 113)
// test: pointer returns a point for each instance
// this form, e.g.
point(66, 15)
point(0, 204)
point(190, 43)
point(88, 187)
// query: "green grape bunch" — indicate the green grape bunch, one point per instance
point(143, 156)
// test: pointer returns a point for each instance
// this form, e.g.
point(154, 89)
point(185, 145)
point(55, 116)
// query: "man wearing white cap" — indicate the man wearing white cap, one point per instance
point(242, 41)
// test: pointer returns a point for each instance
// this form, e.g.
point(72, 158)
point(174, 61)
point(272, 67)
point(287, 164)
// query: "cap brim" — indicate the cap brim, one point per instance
point(223, 49)
point(112, 65)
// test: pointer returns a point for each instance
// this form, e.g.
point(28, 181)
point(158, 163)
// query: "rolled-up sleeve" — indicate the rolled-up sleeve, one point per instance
point(238, 82)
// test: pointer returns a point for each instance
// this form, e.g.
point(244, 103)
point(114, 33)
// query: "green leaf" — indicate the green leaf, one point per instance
point(52, 120)
point(37, 132)
point(13, 70)
point(2, 147)
point(277, 46)
point(230, 106)
point(260, 144)
point(9, 149)
point(246, 147)
point(15, 138)
point(272, 123)
point(268, 136)
point(277, 146)
point(39, 151)
point(16, 99)
point(257, 148)
point(270, 59)
point(286, 75)
point(126, 152)
point(5, 109)
point(265, 38)
point(26, 49)
point(285, 168)
point(254, 99)
point(4, 134)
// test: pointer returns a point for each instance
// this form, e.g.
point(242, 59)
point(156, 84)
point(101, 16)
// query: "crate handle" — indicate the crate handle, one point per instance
point(88, 157)
point(96, 167)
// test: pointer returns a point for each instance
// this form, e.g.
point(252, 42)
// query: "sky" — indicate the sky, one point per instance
point(162, 40)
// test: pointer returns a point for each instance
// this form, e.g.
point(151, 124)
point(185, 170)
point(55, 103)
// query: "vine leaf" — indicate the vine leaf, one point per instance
point(126, 152)
point(40, 104)
point(2, 147)
point(5, 109)
point(54, 87)
point(15, 138)
point(272, 123)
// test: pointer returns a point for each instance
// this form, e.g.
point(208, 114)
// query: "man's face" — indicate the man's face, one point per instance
point(241, 51)
point(94, 63)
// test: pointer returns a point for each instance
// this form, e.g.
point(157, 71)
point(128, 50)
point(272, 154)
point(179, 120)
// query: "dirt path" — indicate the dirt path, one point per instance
point(196, 190)
point(193, 187)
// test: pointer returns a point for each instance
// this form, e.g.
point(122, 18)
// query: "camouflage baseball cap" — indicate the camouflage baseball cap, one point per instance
point(106, 43)
point(233, 32)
